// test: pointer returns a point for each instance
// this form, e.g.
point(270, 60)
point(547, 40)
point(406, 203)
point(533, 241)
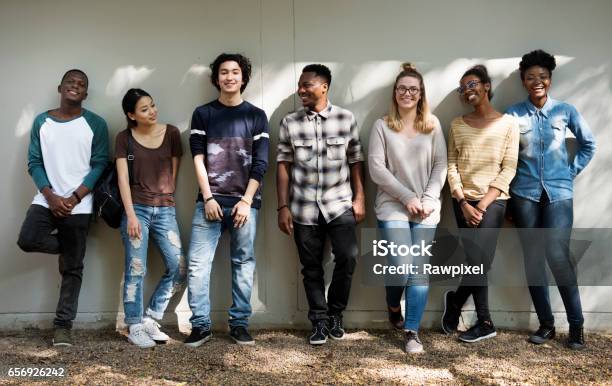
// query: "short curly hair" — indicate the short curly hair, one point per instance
point(243, 62)
point(321, 70)
point(537, 58)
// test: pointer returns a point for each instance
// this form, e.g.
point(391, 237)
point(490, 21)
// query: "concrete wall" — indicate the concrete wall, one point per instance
point(165, 48)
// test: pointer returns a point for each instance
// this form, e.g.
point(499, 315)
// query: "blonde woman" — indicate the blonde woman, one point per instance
point(407, 161)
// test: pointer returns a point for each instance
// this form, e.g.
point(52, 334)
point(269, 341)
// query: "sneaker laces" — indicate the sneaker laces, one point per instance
point(413, 335)
point(151, 325)
point(152, 322)
point(336, 322)
point(577, 334)
point(139, 333)
point(320, 326)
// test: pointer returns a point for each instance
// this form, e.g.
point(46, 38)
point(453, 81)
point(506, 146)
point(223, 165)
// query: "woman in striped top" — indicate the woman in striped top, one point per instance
point(482, 157)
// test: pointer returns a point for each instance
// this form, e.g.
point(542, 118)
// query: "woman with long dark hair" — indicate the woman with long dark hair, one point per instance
point(542, 193)
point(147, 191)
point(482, 156)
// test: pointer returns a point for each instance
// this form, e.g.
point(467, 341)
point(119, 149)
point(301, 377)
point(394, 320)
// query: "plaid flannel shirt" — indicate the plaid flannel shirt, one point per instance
point(320, 146)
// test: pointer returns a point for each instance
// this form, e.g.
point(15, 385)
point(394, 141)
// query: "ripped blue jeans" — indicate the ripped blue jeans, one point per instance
point(158, 222)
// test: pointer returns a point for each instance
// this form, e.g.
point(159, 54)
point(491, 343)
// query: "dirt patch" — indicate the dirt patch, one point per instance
point(284, 357)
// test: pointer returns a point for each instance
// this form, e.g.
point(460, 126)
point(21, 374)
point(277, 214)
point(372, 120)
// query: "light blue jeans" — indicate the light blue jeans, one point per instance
point(205, 236)
point(416, 292)
point(159, 222)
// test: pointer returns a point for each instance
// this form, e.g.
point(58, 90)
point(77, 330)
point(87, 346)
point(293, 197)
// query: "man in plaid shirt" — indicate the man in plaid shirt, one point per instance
point(320, 194)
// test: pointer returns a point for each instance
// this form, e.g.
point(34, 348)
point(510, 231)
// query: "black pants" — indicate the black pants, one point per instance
point(310, 241)
point(479, 246)
point(69, 242)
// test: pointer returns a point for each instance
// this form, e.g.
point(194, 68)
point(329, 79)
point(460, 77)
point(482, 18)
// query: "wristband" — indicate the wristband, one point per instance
point(246, 200)
point(208, 199)
point(76, 195)
point(482, 211)
point(281, 207)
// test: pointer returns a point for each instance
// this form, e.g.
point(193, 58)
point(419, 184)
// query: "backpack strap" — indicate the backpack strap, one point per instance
point(130, 156)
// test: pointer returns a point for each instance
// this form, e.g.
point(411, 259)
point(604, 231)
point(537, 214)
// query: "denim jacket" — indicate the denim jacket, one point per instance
point(543, 160)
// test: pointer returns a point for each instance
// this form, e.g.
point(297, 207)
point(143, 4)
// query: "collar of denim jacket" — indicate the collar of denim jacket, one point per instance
point(545, 110)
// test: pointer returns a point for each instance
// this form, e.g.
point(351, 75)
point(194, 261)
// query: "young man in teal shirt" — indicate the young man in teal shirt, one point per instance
point(67, 154)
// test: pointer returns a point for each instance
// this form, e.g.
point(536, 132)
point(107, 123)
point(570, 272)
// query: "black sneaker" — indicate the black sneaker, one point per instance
point(575, 341)
point(395, 318)
point(543, 335)
point(319, 333)
point(479, 331)
point(198, 337)
point(336, 331)
point(450, 315)
point(240, 335)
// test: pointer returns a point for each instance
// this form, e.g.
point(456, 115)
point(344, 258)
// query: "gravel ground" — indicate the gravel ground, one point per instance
point(284, 357)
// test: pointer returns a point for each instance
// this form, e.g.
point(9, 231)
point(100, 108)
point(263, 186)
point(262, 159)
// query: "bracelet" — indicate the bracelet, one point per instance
point(208, 199)
point(482, 211)
point(246, 200)
point(282, 207)
point(76, 195)
point(462, 202)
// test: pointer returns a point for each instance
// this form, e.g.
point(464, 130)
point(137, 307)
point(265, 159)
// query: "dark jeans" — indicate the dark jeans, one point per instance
point(479, 246)
point(69, 242)
point(559, 216)
point(310, 241)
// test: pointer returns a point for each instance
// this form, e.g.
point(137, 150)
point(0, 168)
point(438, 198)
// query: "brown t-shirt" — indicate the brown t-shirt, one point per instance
point(152, 168)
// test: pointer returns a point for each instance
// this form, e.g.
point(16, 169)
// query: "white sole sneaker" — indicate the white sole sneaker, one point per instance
point(249, 343)
point(141, 345)
point(318, 342)
point(491, 335)
point(199, 342)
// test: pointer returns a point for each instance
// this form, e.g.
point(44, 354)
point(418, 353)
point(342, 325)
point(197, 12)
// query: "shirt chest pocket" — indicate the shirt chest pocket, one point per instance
point(526, 133)
point(558, 130)
point(336, 149)
point(303, 149)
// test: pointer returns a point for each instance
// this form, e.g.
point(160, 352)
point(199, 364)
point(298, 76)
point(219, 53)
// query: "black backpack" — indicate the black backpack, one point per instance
point(106, 196)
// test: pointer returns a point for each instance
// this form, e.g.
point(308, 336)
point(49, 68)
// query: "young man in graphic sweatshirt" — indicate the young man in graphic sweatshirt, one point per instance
point(229, 142)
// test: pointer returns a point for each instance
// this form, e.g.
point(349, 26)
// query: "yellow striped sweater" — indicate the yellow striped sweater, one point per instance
point(482, 158)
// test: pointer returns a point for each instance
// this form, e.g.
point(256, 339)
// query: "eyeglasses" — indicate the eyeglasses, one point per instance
point(410, 90)
point(468, 86)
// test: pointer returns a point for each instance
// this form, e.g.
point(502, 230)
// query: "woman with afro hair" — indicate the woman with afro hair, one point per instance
point(542, 193)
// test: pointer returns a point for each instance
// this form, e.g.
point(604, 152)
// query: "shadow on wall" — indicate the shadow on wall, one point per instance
point(364, 89)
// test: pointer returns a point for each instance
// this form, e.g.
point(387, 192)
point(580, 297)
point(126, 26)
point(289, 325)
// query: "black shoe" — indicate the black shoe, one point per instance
point(575, 341)
point(543, 335)
point(319, 333)
point(336, 331)
point(395, 318)
point(451, 313)
point(479, 331)
point(240, 335)
point(198, 337)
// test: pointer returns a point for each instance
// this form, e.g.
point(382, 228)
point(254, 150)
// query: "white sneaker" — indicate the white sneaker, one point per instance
point(139, 336)
point(151, 327)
